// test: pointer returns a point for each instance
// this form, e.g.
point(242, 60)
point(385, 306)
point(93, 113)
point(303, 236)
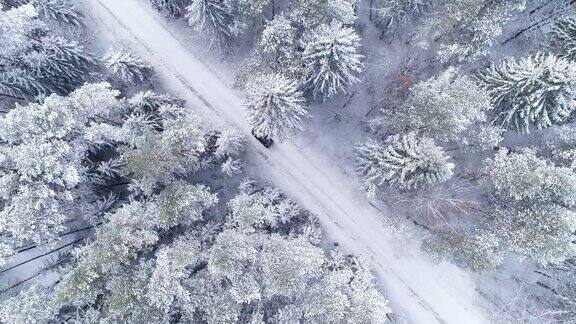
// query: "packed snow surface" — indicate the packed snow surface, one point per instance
point(420, 290)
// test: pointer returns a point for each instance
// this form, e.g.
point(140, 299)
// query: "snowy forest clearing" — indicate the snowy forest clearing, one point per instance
point(421, 291)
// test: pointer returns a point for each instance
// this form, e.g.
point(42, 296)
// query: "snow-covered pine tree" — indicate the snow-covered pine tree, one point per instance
point(213, 17)
point(255, 207)
point(538, 91)
point(403, 161)
point(61, 65)
point(476, 249)
point(525, 178)
point(63, 11)
point(60, 157)
point(544, 232)
point(181, 203)
point(166, 285)
point(366, 303)
point(229, 143)
point(444, 107)
point(275, 107)
point(322, 291)
point(157, 152)
point(331, 59)
point(278, 41)
point(345, 294)
point(216, 303)
point(172, 8)
point(535, 198)
point(126, 67)
point(285, 271)
point(36, 63)
point(16, 25)
point(232, 166)
point(564, 35)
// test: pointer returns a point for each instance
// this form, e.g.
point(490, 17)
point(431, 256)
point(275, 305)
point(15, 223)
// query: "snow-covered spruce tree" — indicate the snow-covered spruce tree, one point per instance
point(275, 107)
point(9, 4)
point(229, 143)
point(232, 166)
point(444, 107)
point(331, 59)
point(62, 11)
point(126, 67)
point(17, 84)
point(61, 65)
point(35, 63)
point(15, 25)
point(212, 17)
point(538, 91)
point(172, 8)
point(564, 35)
point(403, 161)
point(149, 102)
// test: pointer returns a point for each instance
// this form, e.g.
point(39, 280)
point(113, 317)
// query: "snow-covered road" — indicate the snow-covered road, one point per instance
point(419, 290)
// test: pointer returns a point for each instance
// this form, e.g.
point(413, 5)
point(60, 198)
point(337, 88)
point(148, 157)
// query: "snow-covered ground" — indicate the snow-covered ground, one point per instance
point(420, 290)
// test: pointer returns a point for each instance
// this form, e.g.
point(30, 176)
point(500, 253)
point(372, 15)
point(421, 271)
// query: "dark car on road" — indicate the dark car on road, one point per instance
point(266, 141)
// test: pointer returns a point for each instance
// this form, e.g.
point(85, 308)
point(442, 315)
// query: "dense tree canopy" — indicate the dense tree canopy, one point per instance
point(534, 91)
point(35, 62)
point(404, 161)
